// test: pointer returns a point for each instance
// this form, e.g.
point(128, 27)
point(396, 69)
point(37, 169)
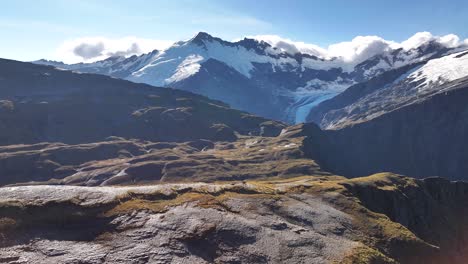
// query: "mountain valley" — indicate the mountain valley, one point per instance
point(104, 163)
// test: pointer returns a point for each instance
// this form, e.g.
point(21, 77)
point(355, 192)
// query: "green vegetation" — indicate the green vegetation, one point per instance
point(366, 255)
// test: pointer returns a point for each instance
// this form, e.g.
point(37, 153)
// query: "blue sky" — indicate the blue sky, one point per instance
point(33, 29)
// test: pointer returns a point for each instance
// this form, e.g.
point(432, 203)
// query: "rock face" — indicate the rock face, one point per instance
point(428, 213)
point(42, 104)
point(307, 219)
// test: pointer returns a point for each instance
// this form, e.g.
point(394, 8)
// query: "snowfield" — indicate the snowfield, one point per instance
point(439, 71)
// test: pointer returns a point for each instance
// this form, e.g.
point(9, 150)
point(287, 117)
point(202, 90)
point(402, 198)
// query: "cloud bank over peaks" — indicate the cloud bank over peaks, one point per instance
point(361, 47)
point(420, 38)
point(89, 49)
point(290, 46)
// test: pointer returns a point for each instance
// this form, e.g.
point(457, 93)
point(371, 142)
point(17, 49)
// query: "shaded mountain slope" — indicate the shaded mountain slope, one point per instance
point(40, 103)
point(426, 138)
point(391, 91)
point(412, 121)
point(325, 112)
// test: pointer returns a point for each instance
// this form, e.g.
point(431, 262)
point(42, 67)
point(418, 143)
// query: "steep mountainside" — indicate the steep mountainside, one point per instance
point(392, 90)
point(39, 103)
point(424, 138)
point(252, 75)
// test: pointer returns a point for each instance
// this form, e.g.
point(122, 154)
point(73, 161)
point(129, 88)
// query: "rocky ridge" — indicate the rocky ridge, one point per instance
point(378, 219)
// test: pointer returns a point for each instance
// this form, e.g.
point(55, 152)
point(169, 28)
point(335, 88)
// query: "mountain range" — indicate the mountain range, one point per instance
point(106, 162)
point(255, 76)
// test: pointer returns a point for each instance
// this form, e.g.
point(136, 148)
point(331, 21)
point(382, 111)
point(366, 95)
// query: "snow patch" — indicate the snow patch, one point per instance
point(188, 67)
point(439, 71)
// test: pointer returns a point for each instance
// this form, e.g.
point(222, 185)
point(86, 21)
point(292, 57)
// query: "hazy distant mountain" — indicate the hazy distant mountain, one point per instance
point(253, 75)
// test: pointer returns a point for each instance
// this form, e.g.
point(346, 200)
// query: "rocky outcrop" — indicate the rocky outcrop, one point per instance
point(307, 219)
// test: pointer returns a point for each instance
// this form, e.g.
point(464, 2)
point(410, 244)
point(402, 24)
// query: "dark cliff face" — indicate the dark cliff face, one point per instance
point(434, 209)
point(39, 103)
point(427, 138)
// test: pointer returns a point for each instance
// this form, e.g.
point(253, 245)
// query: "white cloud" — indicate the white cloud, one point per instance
point(450, 40)
point(417, 40)
point(356, 50)
point(292, 47)
point(361, 47)
point(89, 49)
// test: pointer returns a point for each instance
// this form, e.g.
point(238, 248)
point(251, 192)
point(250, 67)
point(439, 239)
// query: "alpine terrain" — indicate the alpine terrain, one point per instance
point(296, 132)
point(95, 169)
point(411, 120)
point(256, 76)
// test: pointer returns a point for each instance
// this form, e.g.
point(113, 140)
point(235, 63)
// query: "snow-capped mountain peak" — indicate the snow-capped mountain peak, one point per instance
point(285, 82)
point(393, 90)
point(202, 37)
